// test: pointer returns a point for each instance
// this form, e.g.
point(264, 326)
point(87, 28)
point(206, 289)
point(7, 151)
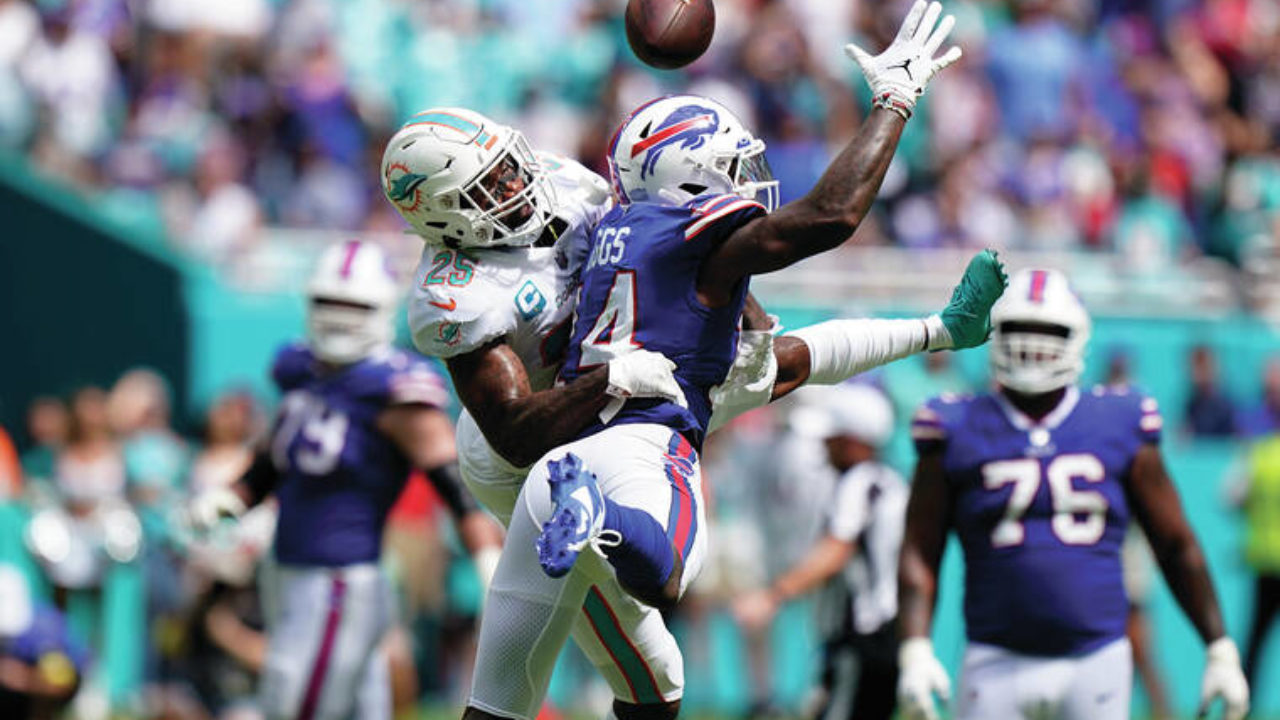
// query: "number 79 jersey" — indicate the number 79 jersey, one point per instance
point(1041, 511)
point(339, 473)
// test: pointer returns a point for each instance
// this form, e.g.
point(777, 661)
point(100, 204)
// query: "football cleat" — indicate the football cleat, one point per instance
point(577, 518)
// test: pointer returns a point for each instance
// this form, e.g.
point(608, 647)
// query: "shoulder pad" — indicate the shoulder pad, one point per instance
point(402, 378)
point(1139, 412)
point(459, 314)
point(292, 366)
point(719, 213)
point(934, 420)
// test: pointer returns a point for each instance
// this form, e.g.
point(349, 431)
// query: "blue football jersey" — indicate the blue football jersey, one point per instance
point(639, 290)
point(340, 474)
point(1040, 510)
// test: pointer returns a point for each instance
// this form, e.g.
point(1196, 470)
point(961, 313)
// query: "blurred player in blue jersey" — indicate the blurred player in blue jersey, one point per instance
point(667, 271)
point(356, 417)
point(1039, 480)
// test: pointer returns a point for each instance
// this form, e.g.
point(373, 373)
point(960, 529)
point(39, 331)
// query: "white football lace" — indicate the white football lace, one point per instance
point(605, 539)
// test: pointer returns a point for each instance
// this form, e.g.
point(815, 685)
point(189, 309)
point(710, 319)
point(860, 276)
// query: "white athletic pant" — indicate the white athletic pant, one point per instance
point(999, 683)
point(324, 626)
point(528, 616)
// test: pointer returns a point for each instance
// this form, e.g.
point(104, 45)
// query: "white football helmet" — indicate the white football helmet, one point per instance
point(463, 180)
point(352, 298)
point(857, 410)
point(678, 147)
point(1040, 329)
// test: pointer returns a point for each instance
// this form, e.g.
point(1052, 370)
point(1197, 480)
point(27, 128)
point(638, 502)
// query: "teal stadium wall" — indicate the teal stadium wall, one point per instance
point(84, 298)
point(97, 297)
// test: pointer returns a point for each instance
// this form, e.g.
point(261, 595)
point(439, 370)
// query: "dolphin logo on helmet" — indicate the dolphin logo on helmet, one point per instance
point(462, 180)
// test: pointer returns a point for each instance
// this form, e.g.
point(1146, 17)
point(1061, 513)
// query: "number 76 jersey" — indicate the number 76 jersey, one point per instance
point(1041, 510)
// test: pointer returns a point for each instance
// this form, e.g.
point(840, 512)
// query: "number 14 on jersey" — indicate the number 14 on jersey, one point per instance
point(613, 333)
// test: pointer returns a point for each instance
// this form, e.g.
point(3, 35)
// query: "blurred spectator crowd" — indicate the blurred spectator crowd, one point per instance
point(1145, 127)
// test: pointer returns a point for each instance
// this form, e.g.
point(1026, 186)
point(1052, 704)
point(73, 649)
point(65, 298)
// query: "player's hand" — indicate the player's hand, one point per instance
point(898, 75)
point(920, 677)
point(644, 374)
point(966, 320)
point(755, 610)
point(1223, 678)
point(209, 507)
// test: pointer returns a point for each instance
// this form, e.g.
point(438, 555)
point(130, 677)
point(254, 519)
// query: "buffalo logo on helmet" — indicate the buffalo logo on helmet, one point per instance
point(689, 125)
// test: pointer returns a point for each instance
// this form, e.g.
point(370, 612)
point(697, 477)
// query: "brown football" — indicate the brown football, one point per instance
point(669, 34)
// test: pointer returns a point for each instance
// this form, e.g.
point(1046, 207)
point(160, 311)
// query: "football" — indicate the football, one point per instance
point(668, 34)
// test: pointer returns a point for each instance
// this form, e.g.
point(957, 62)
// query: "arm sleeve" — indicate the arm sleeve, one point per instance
point(840, 349)
point(447, 480)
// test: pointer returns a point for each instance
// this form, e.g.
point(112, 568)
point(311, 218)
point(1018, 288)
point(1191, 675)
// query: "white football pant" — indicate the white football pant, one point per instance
point(528, 615)
point(999, 683)
point(324, 626)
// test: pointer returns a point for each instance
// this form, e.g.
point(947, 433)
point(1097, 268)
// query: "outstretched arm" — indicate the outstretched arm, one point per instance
point(833, 209)
point(819, 221)
point(767, 367)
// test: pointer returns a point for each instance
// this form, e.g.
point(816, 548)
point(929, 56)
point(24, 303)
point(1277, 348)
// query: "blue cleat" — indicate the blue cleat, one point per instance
point(577, 519)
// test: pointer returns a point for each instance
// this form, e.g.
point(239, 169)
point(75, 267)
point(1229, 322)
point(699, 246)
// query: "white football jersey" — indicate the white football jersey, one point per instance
point(464, 298)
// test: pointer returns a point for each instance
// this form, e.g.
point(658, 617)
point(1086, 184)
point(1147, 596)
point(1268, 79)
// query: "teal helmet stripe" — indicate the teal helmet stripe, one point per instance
point(454, 122)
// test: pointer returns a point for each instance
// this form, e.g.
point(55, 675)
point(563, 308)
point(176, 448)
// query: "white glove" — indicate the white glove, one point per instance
point(898, 75)
point(644, 374)
point(920, 677)
point(1224, 679)
point(206, 509)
